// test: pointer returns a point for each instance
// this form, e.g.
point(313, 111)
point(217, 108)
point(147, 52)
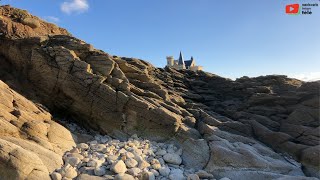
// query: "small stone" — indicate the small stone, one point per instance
point(119, 167)
point(134, 171)
point(138, 158)
point(89, 177)
point(156, 166)
point(137, 152)
point(86, 160)
point(87, 170)
point(147, 176)
point(172, 158)
point(93, 143)
point(176, 174)
point(143, 164)
point(123, 177)
point(193, 177)
point(155, 172)
point(130, 163)
point(122, 151)
point(83, 146)
point(76, 155)
point(108, 177)
point(170, 150)
point(161, 161)
point(101, 148)
point(74, 150)
point(164, 171)
point(73, 161)
point(56, 176)
point(161, 152)
point(176, 177)
point(129, 155)
point(69, 172)
point(204, 175)
point(100, 171)
point(154, 161)
point(92, 163)
point(104, 139)
point(112, 158)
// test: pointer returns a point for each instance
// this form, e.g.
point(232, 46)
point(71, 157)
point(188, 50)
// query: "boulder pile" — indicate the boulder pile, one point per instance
point(108, 158)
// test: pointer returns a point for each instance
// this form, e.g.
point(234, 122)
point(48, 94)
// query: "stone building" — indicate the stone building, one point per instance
point(182, 64)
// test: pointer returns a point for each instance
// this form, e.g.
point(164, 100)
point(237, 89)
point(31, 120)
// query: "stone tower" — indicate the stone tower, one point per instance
point(170, 61)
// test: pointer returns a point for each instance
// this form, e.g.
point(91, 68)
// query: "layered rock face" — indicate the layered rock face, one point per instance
point(31, 144)
point(251, 128)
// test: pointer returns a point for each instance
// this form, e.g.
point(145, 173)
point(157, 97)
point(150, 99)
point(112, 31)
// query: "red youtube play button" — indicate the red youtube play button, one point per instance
point(292, 9)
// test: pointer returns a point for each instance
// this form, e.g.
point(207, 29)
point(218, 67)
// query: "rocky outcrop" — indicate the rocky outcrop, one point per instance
point(240, 127)
point(17, 23)
point(31, 144)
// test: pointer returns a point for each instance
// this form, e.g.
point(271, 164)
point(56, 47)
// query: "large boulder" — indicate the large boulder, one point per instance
point(310, 159)
point(31, 144)
point(198, 157)
point(18, 163)
point(239, 157)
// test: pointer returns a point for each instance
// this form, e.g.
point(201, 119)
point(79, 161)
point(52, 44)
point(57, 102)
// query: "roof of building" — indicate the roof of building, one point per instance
point(188, 62)
point(181, 60)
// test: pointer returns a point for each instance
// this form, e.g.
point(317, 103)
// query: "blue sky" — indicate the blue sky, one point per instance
point(229, 38)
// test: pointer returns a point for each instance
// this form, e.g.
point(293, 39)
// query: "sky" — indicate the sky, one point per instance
point(230, 38)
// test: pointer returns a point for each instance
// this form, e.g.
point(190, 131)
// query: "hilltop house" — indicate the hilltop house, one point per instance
point(182, 64)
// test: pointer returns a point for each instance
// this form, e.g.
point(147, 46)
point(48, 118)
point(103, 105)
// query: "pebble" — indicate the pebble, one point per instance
point(143, 164)
point(130, 163)
point(204, 175)
point(56, 176)
point(76, 155)
point(100, 171)
point(161, 152)
point(83, 146)
point(172, 158)
point(69, 172)
point(92, 163)
point(73, 161)
point(147, 175)
point(129, 155)
point(134, 171)
point(164, 171)
point(112, 158)
point(193, 177)
point(108, 177)
point(156, 166)
point(74, 150)
point(155, 172)
point(119, 167)
point(124, 177)
point(176, 177)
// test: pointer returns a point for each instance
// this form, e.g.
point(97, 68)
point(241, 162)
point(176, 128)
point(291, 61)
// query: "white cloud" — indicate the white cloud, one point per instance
point(51, 19)
point(311, 76)
point(74, 6)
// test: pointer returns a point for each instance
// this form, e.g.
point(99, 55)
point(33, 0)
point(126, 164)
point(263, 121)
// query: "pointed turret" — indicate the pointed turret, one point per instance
point(181, 59)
